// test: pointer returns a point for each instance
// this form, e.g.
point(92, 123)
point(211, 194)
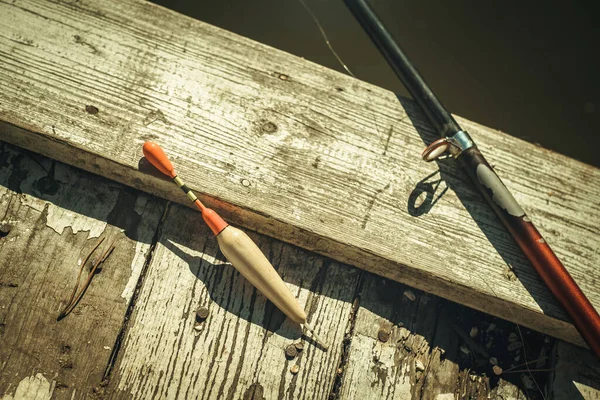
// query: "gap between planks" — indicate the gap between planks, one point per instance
point(221, 105)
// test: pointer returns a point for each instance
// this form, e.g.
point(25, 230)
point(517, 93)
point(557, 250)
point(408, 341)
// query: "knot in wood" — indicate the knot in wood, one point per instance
point(91, 109)
point(269, 127)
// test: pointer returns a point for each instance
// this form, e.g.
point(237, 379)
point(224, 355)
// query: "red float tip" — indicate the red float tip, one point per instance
point(214, 221)
point(157, 157)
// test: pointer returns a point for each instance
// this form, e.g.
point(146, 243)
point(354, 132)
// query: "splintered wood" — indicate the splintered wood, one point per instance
point(290, 149)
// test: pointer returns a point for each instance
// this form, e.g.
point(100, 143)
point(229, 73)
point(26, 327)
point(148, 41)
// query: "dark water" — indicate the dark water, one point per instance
point(529, 68)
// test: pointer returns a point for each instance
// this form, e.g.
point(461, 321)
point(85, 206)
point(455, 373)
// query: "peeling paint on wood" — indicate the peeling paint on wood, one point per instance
point(273, 144)
point(38, 268)
point(32, 388)
point(239, 349)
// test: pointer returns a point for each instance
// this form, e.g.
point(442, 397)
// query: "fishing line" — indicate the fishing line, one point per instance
point(315, 19)
point(437, 225)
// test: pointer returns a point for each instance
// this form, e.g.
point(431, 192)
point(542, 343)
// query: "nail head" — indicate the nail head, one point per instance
point(91, 109)
point(201, 314)
point(383, 335)
point(290, 351)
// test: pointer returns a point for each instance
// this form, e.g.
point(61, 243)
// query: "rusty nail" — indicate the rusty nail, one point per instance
point(290, 351)
point(201, 314)
point(383, 335)
point(4, 230)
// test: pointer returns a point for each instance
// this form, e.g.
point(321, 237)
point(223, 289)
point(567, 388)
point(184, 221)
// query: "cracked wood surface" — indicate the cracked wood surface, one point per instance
point(50, 218)
point(290, 149)
point(403, 347)
point(238, 352)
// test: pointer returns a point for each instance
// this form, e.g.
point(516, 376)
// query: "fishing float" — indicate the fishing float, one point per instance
point(238, 248)
point(457, 142)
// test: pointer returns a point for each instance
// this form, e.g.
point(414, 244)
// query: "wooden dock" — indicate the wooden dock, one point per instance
point(325, 167)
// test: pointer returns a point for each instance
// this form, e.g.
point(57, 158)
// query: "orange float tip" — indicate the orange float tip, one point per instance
point(157, 157)
point(214, 221)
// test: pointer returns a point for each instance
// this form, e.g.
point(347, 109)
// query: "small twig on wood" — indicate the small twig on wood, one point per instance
point(523, 364)
point(95, 264)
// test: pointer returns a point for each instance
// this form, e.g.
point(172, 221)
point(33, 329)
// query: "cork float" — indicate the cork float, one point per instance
point(241, 251)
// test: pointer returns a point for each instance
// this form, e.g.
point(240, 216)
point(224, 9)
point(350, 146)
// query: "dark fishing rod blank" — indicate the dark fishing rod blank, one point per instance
point(460, 146)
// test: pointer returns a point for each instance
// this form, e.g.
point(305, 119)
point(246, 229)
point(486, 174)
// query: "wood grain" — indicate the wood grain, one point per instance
point(404, 347)
point(576, 374)
point(50, 218)
point(239, 350)
point(290, 149)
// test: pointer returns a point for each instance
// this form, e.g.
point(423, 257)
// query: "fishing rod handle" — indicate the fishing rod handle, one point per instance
point(585, 318)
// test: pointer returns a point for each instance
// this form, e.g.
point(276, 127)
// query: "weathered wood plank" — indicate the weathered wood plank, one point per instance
point(51, 215)
point(238, 352)
point(406, 344)
point(576, 374)
point(290, 149)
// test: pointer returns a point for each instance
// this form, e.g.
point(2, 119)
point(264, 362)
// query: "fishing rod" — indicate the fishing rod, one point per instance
point(456, 142)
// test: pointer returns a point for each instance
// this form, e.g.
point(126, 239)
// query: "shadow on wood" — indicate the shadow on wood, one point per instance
point(200, 267)
point(50, 214)
point(113, 204)
point(517, 267)
point(433, 343)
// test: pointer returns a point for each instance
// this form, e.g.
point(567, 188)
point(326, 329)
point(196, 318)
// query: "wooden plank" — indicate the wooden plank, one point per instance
point(238, 352)
point(52, 215)
point(576, 374)
point(406, 344)
point(290, 149)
